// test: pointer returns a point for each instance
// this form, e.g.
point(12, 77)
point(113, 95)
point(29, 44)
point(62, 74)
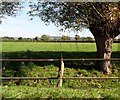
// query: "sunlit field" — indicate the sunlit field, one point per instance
point(51, 46)
point(48, 88)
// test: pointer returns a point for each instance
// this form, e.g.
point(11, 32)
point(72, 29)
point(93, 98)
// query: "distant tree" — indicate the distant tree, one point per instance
point(83, 39)
point(90, 39)
point(77, 37)
point(45, 38)
point(29, 40)
point(0, 39)
point(20, 38)
point(118, 39)
point(11, 39)
point(65, 38)
point(86, 39)
point(6, 38)
point(36, 38)
point(26, 39)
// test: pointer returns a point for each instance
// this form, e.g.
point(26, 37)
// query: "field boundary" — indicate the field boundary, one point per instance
point(60, 76)
point(82, 59)
point(45, 78)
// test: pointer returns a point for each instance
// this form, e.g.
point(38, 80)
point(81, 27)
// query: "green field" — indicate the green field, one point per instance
point(51, 46)
point(47, 88)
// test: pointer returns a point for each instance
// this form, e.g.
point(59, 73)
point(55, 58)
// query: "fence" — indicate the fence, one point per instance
point(61, 69)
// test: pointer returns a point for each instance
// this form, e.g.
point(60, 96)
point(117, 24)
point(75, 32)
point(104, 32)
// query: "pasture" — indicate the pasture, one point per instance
point(51, 46)
point(47, 88)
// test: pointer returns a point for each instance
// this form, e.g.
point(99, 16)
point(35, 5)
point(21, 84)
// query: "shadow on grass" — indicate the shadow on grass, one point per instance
point(18, 69)
point(16, 66)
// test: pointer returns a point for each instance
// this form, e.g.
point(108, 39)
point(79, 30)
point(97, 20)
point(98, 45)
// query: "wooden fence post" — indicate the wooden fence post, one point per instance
point(60, 74)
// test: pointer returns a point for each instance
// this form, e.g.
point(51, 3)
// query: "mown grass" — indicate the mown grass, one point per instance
point(36, 92)
point(51, 46)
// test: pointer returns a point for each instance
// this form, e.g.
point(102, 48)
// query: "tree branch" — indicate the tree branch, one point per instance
point(97, 11)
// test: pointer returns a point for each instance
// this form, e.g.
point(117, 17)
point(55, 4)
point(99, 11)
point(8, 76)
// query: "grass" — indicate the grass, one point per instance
point(47, 88)
point(51, 46)
point(36, 92)
point(52, 71)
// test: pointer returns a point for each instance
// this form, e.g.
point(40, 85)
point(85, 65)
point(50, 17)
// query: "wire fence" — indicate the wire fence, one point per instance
point(44, 60)
point(60, 71)
point(48, 78)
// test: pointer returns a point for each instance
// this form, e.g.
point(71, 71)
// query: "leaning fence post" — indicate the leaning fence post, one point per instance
point(60, 74)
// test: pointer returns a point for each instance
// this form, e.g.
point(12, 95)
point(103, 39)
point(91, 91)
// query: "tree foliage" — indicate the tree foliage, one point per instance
point(77, 37)
point(76, 15)
point(37, 38)
point(9, 9)
point(65, 38)
point(45, 37)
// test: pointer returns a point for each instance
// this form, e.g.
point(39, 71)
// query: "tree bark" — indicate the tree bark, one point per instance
point(104, 50)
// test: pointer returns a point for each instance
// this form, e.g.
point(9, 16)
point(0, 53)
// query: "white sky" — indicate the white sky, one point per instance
point(21, 26)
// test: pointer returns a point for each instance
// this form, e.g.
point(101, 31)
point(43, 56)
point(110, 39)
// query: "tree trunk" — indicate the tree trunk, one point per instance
point(104, 42)
point(104, 50)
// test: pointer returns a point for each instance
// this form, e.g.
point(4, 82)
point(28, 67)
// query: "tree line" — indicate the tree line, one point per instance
point(46, 38)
